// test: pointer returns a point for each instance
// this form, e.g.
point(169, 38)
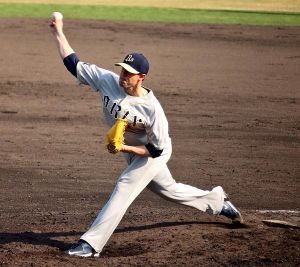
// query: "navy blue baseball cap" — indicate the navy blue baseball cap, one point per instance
point(135, 63)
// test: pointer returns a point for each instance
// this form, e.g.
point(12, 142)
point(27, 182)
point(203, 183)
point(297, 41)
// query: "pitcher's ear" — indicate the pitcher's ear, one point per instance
point(142, 76)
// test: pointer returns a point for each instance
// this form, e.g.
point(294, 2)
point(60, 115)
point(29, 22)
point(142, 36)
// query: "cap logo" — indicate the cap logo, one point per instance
point(129, 58)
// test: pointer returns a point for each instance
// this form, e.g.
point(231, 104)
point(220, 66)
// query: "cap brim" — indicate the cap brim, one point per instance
point(127, 67)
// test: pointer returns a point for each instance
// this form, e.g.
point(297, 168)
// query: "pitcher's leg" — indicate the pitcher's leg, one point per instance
point(130, 184)
point(164, 185)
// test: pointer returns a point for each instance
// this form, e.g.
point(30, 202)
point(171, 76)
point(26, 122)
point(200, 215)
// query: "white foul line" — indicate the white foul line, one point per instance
point(279, 211)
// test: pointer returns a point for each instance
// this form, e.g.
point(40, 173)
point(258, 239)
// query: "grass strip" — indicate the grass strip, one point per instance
point(176, 15)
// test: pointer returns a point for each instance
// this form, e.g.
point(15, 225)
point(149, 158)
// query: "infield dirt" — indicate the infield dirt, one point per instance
point(231, 94)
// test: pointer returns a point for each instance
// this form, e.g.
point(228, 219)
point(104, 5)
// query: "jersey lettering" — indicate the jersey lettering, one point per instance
point(134, 120)
point(112, 108)
point(125, 115)
point(116, 109)
point(105, 101)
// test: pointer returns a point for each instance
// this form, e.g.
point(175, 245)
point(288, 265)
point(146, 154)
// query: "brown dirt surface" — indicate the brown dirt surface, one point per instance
point(231, 94)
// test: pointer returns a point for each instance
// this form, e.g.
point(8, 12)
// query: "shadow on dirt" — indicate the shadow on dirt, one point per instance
point(171, 224)
point(49, 239)
point(38, 238)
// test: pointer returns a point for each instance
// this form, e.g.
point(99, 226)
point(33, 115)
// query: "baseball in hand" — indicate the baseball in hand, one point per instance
point(57, 15)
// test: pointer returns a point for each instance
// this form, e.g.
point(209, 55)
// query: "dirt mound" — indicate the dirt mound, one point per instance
point(231, 96)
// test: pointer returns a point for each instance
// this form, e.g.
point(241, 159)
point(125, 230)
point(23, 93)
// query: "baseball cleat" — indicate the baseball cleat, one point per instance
point(82, 249)
point(231, 212)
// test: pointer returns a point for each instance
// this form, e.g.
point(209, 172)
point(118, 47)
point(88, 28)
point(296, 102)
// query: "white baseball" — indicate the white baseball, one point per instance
point(57, 15)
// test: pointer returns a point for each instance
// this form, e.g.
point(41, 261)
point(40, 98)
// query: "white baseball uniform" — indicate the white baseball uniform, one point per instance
point(147, 124)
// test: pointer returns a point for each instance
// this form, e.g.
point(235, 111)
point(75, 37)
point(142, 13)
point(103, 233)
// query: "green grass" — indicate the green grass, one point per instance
point(150, 14)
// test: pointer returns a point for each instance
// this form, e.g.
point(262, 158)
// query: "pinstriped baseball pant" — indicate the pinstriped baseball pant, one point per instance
point(153, 173)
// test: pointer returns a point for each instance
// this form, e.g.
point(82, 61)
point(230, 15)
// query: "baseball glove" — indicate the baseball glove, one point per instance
point(115, 136)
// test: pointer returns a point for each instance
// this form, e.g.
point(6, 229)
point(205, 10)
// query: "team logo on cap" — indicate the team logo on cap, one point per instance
point(129, 58)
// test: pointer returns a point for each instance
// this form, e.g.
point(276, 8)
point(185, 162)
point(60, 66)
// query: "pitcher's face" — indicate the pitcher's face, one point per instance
point(130, 82)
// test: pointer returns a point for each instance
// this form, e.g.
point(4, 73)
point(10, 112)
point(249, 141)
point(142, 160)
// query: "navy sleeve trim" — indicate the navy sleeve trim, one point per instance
point(71, 62)
point(153, 151)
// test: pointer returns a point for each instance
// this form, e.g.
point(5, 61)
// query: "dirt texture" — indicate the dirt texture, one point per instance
point(231, 94)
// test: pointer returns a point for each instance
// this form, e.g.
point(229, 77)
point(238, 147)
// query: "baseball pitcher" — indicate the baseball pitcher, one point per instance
point(139, 130)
